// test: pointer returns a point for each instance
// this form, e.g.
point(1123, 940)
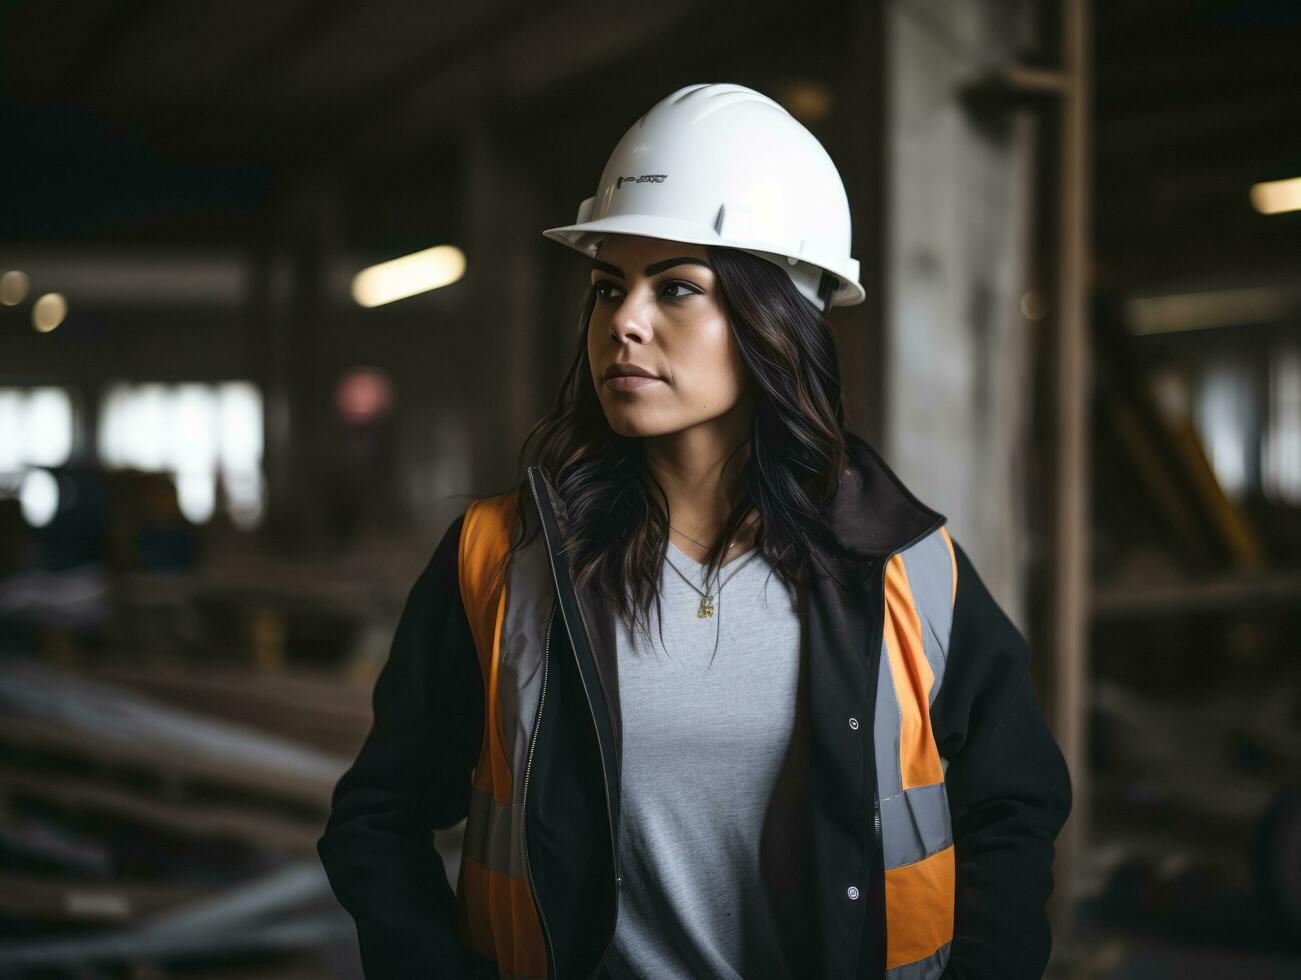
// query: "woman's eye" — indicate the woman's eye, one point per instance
point(602, 287)
point(687, 290)
point(670, 290)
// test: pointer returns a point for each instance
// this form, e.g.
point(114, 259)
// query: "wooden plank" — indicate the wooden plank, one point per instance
point(33, 898)
point(1071, 537)
point(326, 714)
point(1211, 597)
point(199, 819)
point(167, 760)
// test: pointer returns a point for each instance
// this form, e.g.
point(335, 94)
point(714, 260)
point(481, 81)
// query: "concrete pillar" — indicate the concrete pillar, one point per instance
point(960, 195)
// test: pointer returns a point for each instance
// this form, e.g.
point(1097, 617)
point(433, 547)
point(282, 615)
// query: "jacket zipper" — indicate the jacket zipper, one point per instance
point(876, 814)
point(880, 851)
point(524, 796)
point(614, 847)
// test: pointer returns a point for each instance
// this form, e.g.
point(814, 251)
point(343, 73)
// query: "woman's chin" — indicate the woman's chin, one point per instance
point(640, 425)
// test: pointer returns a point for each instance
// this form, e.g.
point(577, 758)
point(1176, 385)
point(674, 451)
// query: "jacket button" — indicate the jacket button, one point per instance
point(853, 723)
point(853, 893)
point(618, 882)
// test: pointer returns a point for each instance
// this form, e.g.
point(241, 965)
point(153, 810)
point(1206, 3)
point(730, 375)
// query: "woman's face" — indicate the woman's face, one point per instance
point(658, 308)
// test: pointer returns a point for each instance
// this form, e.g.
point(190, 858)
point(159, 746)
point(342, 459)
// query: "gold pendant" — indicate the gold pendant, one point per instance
point(706, 609)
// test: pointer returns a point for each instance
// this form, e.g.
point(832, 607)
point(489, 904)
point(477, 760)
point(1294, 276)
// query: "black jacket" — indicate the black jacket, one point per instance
point(1008, 788)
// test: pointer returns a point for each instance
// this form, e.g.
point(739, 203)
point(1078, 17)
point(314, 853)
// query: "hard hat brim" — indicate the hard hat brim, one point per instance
point(586, 236)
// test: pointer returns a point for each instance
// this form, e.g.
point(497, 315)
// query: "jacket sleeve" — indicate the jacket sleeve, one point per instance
point(1009, 791)
point(413, 774)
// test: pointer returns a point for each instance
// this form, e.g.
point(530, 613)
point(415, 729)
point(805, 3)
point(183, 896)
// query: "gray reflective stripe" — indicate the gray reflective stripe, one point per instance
point(927, 968)
point(493, 830)
point(915, 824)
point(930, 576)
point(490, 836)
point(885, 731)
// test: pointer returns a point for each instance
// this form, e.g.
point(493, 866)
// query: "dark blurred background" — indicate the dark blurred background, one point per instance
point(1080, 233)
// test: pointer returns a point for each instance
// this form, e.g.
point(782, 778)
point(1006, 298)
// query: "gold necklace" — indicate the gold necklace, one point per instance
point(706, 608)
point(701, 543)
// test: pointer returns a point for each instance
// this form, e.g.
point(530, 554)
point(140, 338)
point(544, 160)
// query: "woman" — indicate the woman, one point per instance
point(848, 774)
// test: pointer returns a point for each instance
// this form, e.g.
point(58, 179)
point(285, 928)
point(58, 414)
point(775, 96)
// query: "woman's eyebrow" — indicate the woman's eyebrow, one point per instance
point(653, 268)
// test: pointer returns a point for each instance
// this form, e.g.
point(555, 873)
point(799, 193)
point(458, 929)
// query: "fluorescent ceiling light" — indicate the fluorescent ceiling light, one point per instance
point(1200, 311)
point(1277, 196)
point(134, 279)
point(418, 272)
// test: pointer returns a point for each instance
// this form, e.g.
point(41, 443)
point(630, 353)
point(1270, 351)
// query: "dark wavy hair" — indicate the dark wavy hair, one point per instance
point(615, 520)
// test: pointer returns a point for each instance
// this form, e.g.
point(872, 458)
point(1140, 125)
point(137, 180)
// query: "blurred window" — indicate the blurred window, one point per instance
point(205, 435)
point(36, 431)
point(35, 428)
point(1282, 463)
point(1225, 416)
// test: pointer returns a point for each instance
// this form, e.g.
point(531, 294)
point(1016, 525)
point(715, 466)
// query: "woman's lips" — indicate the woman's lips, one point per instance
point(627, 382)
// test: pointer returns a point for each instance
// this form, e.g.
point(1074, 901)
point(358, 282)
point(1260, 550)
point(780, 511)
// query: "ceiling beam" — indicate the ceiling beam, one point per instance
point(502, 64)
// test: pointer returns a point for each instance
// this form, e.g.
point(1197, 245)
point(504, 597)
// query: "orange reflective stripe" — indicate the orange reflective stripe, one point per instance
point(919, 760)
point(919, 908)
point(495, 912)
point(511, 934)
point(485, 540)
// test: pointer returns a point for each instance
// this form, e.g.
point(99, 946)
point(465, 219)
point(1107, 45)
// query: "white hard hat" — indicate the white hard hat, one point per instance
point(722, 164)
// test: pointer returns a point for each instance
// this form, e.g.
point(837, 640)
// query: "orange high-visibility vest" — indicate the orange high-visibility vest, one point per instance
point(508, 615)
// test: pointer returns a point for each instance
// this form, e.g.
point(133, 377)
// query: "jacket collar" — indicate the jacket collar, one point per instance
point(873, 515)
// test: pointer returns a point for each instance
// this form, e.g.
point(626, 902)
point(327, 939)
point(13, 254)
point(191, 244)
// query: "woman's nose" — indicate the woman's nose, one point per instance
point(629, 324)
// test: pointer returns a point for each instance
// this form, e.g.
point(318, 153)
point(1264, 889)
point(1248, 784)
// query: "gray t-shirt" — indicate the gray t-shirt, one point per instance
point(712, 762)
